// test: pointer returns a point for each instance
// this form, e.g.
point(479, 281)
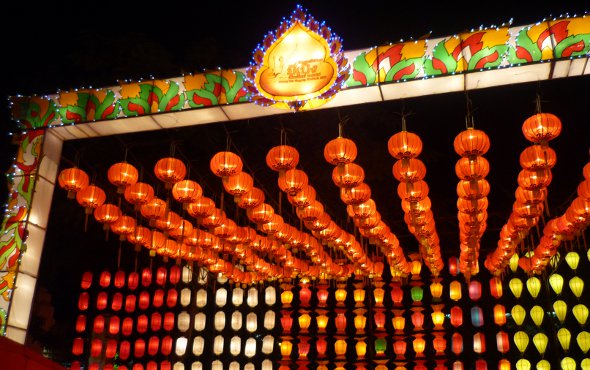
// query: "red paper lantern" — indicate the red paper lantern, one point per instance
point(121, 175)
point(139, 348)
point(292, 181)
point(142, 324)
point(186, 191)
point(111, 349)
point(170, 170)
point(98, 324)
point(468, 168)
point(73, 180)
point(304, 295)
point(83, 301)
point(397, 294)
point(471, 142)
point(261, 213)
point(171, 297)
point(479, 343)
point(78, 346)
point(311, 212)
point(168, 321)
point(107, 214)
point(165, 365)
point(457, 344)
point(340, 322)
point(158, 299)
point(502, 342)
point(117, 302)
point(105, 279)
point(399, 348)
point(114, 324)
point(124, 226)
point(439, 343)
point(321, 346)
point(141, 236)
point(86, 280)
point(130, 301)
point(238, 184)
point(201, 208)
point(161, 275)
point(541, 127)
point(282, 158)
point(101, 300)
point(304, 197)
point(166, 345)
point(146, 277)
point(156, 321)
point(225, 164)
point(409, 170)
point(456, 316)
point(95, 348)
point(127, 326)
point(404, 144)
point(348, 175)
point(153, 210)
point(481, 364)
point(286, 321)
point(139, 194)
point(340, 151)
point(81, 323)
point(355, 195)
point(322, 295)
point(124, 350)
point(91, 197)
point(251, 198)
point(474, 290)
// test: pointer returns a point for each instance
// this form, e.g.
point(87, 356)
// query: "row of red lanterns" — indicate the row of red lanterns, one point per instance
point(413, 190)
point(356, 194)
point(568, 226)
point(471, 145)
point(534, 178)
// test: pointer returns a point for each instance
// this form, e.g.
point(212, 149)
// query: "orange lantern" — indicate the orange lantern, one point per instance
point(304, 197)
point(141, 236)
point(238, 184)
point(340, 151)
point(311, 212)
point(473, 189)
point(139, 194)
point(412, 191)
point(201, 208)
point(292, 181)
point(215, 219)
point(439, 343)
point(72, 180)
point(107, 214)
point(419, 345)
point(282, 158)
point(168, 222)
point(86, 280)
point(499, 314)
point(404, 144)
point(260, 214)
point(125, 225)
point(541, 128)
point(91, 197)
point(139, 348)
point(321, 346)
point(186, 191)
point(409, 170)
point(356, 194)
point(251, 198)
point(121, 175)
point(468, 168)
point(471, 142)
point(496, 287)
point(537, 157)
point(399, 348)
point(153, 210)
point(225, 164)
point(170, 171)
point(348, 175)
point(535, 179)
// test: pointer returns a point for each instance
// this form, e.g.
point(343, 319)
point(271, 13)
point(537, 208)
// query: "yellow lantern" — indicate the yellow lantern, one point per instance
point(564, 336)
point(556, 282)
point(455, 290)
point(572, 259)
point(360, 321)
point(286, 298)
point(361, 348)
point(585, 364)
point(537, 314)
point(436, 289)
point(379, 294)
point(515, 285)
point(286, 348)
point(419, 344)
point(533, 285)
point(499, 314)
point(568, 363)
point(518, 314)
point(438, 318)
point(576, 286)
point(503, 364)
point(543, 365)
point(340, 347)
point(513, 262)
point(580, 313)
point(583, 340)
point(322, 320)
point(304, 321)
point(523, 364)
point(340, 295)
point(560, 308)
point(540, 341)
point(399, 323)
point(521, 339)
point(416, 267)
point(359, 296)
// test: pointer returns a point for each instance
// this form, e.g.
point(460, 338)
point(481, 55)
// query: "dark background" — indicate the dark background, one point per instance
point(59, 47)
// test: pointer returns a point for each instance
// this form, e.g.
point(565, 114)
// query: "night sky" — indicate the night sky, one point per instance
point(73, 46)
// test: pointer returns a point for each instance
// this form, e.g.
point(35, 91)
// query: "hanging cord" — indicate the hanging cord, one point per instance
point(469, 122)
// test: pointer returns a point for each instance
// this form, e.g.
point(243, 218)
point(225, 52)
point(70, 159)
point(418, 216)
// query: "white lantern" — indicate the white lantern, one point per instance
point(249, 366)
point(185, 297)
point(252, 299)
point(198, 346)
point(268, 344)
point(221, 297)
point(218, 345)
point(269, 320)
point(203, 275)
point(270, 295)
point(217, 365)
point(180, 349)
point(200, 321)
point(235, 345)
point(457, 365)
point(250, 350)
point(187, 274)
point(178, 366)
point(221, 278)
point(237, 297)
point(266, 365)
point(197, 365)
point(184, 321)
point(251, 322)
point(201, 298)
point(234, 365)
point(236, 320)
point(219, 321)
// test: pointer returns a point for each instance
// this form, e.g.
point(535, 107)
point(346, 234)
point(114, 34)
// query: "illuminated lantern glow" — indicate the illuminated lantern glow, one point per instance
point(361, 348)
point(523, 364)
point(537, 314)
point(521, 339)
point(238, 184)
point(348, 175)
point(101, 301)
point(340, 322)
point(457, 344)
point(302, 198)
point(518, 314)
point(499, 314)
point(540, 341)
point(568, 363)
point(438, 319)
point(73, 180)
point(399, 348)
point(474, 290)
point(472, 168)
point(436, 289)
point(479, 343)
point(107, 214)
point(340, 348)
point(356, 194)
point(564, 337)
point(340, 295)
point(541, 128)
point(533, 285)
point(90, 197)
point(560, 309)
point(201, 208)
point(409, 170)
point(321, 346)
point(121, 175)
point(139, 194)
point(169, 170)
point(417, 318)
point(398, 322)
point(251, 198)
point(583, 339)
point(340, 151)
point(536, 157)
point(282, 158)
point(286, 347)
point(471, 143)
point(439, 343)
point(292, 181)
point(186, 191)
point(455, 290)
point(404, 144)
point(556, 283)
point(515, 285)
point(456, 316)
point(261, 214)
point(153, 210)
point(502, 342)
point(123, 226)
point(576, 286)
point(419, 344)
point(580, 312)
point(496, 287)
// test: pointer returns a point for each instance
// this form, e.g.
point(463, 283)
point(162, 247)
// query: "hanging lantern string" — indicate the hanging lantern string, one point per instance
point(469, 122)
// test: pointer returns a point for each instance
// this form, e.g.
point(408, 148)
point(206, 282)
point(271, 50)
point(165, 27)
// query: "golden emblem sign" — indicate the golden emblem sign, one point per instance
point(300, 67)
